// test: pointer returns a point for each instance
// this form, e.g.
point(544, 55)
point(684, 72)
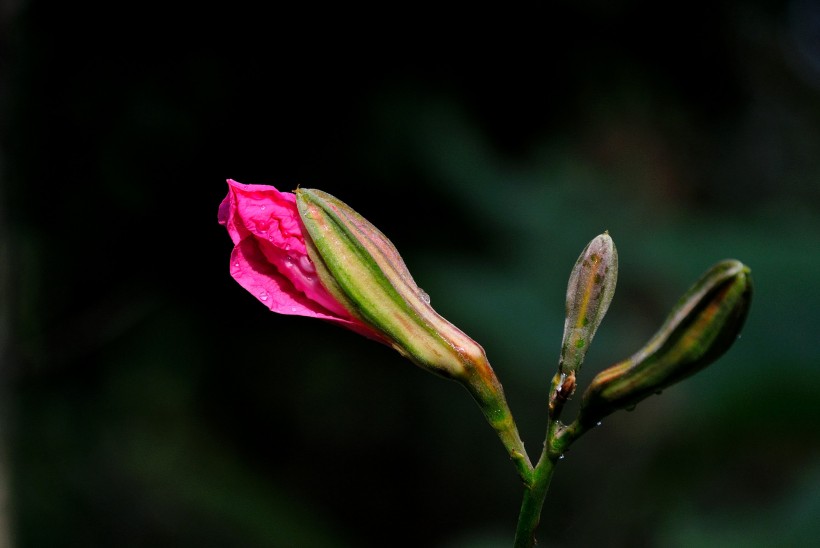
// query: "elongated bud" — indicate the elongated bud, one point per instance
point(364, 272)
point(701, 328)
point(589, 292)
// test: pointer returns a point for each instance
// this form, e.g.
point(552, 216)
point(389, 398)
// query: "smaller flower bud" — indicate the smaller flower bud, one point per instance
point(701, 328)
point(589, 292)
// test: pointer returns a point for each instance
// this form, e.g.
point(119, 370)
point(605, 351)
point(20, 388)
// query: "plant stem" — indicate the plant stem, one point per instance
point(515, 449)
point(533, 502)
point(558, 440)
point(483, 385)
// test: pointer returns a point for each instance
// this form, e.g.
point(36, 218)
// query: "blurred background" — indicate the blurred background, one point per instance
point(147, 400)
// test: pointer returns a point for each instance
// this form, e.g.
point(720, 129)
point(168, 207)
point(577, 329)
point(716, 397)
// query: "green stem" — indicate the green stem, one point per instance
point(533, 502)
point(488, 393)
point(501, 419)
point(558, 440)
point(515, 449)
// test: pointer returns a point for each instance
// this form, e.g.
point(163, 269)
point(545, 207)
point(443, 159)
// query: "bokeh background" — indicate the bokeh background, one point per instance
point(147, 400)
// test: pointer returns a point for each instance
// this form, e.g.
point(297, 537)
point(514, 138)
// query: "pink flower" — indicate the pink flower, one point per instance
point(310, 254)
point(269, 257)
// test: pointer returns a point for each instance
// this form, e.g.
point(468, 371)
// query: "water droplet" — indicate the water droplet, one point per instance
point(561, 383)
point(236, 265)
point(262, 208)
point(561, 457)
point(599, 423)
point(424, 296)
point(263, 296)
point(306, 265)
point(293, 309)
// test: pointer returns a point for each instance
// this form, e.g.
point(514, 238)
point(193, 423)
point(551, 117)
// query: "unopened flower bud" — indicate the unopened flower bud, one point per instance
point(701, 328)
point(363, 270)
point(589, 292)
point(310, 254)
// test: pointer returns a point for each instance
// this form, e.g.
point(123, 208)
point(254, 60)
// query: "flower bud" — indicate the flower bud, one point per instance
point(589, 292)
point(701, 328)
point(365, 273)
point(311, 255)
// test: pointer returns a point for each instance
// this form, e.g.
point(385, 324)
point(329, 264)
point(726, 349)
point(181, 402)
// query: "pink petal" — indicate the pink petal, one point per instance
point(265, 212)
point(270, 259)
point(257, 275)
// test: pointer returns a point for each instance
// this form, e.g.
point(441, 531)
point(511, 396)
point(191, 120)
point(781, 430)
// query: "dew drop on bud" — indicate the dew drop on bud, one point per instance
point(424, 296)
point(560, 385)
point(561, 457)
point(263, 296)
point(306, 265)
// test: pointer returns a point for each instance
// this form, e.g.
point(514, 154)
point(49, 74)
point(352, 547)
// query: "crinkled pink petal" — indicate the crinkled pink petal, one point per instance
point(264, 281)
point(270, 259)
point(270, 251)
point(265, 212)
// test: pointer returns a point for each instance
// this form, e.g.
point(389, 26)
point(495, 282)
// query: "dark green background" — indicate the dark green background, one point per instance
point(147, 400)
